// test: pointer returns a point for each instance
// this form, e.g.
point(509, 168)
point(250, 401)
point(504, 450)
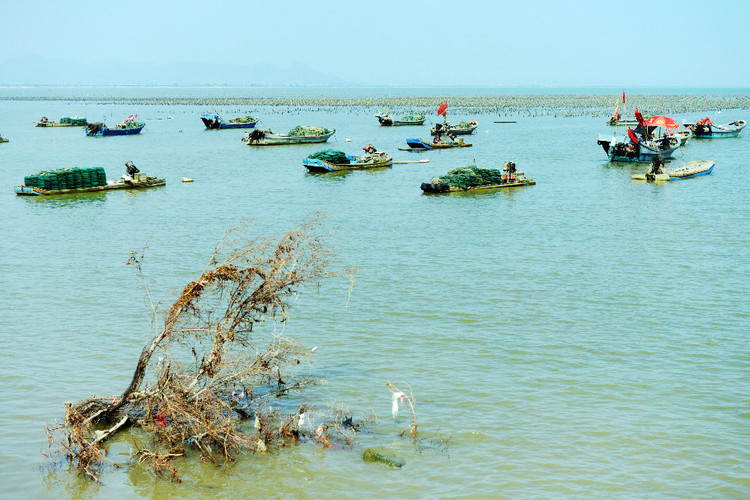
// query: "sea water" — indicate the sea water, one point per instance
point(586, 336)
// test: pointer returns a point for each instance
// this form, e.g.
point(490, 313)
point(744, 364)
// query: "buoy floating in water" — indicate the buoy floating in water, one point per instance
point(187, 179)
point(348, 140)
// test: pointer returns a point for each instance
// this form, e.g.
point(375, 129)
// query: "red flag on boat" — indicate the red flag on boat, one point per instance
point(639, 117)
point(632, 135)
point(129, 118)
point(441, 109)
point(623, 97)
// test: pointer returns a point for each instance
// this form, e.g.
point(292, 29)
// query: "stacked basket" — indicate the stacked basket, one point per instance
point(67, 178)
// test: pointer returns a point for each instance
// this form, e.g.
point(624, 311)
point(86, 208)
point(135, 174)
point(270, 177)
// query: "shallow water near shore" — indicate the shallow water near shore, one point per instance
point(584, 336)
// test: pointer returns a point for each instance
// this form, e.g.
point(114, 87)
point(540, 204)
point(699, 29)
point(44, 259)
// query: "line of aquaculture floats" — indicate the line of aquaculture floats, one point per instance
point(649, 139)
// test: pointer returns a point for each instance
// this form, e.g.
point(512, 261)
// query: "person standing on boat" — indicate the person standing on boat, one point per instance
point(130, 168)
point(657, 165)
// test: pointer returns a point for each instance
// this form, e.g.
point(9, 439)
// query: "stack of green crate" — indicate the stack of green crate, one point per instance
point(67, 178)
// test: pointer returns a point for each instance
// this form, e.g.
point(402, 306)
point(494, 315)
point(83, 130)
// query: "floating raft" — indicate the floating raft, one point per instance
point(68, 121)
point(473, 178)
point(80, 180)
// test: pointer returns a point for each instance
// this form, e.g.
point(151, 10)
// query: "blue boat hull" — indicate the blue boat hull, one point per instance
point(115, 131)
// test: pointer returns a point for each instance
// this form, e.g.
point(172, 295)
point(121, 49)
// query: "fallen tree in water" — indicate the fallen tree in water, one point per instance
point(202, 383)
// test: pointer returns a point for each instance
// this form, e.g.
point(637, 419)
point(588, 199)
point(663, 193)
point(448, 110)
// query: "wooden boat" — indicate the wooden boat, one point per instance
point(690, 169)
point(461, 128)
point(373, 160)
point(3, 139)
point(269, 138)
point(704, 129)
point(213, 121)
point(509, 177)
point(420, 144)
point(67, 121)
point(626, 150)
point(387, 121)
point(138, 181)
point(124, 128)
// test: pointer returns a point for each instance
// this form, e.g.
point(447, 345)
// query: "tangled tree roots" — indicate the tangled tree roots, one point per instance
point(209, 380)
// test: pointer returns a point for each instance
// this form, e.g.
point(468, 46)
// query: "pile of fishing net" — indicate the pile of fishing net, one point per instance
point(243, 119)
point(305, 131)
point(412, 118)
point(131, 124)
point(472, 176)
point(464, 125)
point(330, 155)
point(74, 120)
point(67, 178)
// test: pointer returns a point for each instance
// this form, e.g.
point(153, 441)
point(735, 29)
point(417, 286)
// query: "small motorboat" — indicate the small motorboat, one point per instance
point(461, 128)
point(337, 161)
point(705, 129)
point(419, 144)
point(298, 135)
point(213, 121)
point(413, 119)
point(690, 169)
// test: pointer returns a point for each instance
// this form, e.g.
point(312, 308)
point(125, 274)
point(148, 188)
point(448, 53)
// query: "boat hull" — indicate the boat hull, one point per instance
point(420, 144)
point(387, 121)
point(213, 124)
point(442, 188)
point(621, 151)
point(105, 131)
point(320, 166)
point(284, 140)
point(455, 130)
point(690, 169)
point(113, 185)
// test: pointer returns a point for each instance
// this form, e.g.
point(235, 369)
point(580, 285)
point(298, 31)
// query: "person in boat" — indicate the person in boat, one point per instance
point(437, 139)
point(130, 168)
point(452, 137)
point(665, 142)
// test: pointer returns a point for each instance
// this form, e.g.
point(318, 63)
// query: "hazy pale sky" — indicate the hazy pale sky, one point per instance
point(400, 42)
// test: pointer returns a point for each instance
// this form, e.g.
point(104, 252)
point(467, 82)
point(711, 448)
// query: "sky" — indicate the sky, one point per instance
point(404, 43)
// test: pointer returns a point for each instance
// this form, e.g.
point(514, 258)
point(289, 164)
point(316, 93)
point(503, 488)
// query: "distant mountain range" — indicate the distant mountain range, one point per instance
point(48, 71)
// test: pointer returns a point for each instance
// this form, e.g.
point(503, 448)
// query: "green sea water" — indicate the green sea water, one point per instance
point(587, 336)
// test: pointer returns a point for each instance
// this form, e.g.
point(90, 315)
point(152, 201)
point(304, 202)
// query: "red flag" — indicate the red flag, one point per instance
point(441, 109)
point(639, 117)
point(632, 135)
point(623, 97)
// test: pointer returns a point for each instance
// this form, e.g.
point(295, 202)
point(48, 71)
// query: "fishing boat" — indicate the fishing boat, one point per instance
point(413, 119)
point(3, 139)
point(67, 121)
point(337, 161)
point(419, 144)
point(213, 121)
point(473, 178)
point(690, 169)
point(269, 138)
point(81, 180)
point(127, 127)
point(636, 149)
point(705, 129)
point(461, 128)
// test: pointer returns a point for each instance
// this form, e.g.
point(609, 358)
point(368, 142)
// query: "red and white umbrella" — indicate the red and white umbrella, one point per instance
point(661, 121)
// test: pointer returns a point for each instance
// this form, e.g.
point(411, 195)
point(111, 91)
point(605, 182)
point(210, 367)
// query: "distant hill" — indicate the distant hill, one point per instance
point(48, 71)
